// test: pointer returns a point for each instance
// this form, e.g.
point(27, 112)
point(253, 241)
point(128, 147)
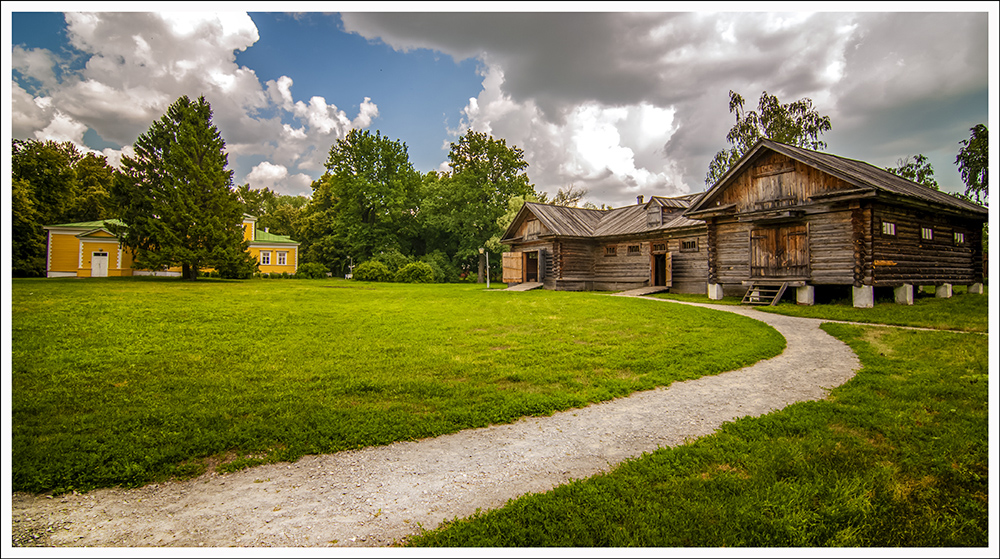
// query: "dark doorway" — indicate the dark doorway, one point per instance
point(531, 266)
point(659, 269)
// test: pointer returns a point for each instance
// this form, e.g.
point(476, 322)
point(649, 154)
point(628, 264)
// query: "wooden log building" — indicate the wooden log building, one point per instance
point(783, 217)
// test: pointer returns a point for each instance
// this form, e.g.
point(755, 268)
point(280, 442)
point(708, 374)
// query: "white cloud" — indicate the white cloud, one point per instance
point(138, 63)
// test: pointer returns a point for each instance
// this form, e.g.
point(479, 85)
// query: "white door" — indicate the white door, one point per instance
point(99, 265)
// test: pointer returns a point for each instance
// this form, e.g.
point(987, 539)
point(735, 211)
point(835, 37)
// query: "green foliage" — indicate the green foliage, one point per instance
point(311, 270)
point(176, 198)
point(796, 124)
point(444, 271)
point(460, 211)
point(27, 241)
point(275, 213)
point(973, 162)
point(163, 376)
point(52, 183)
point(917, 169)
point(372, 270)
point(415, 272)
point(898, 457)
point(393, 260)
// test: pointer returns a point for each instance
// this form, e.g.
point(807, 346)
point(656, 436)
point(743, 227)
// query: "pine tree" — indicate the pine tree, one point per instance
point(176, 197)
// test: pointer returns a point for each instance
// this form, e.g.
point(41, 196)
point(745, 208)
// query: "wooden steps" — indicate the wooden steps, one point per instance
point(764, 293)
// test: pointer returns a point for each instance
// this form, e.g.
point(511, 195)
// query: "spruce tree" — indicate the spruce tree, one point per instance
point(176, 197)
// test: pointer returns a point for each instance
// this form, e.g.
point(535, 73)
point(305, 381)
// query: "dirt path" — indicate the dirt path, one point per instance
point(376, 496)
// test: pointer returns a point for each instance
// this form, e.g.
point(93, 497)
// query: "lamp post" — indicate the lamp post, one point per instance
point(482, 251)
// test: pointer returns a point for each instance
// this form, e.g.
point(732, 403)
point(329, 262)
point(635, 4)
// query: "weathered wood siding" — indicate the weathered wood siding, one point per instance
point(575, 260)
point(776, 181)
point(732, 252)
point(622, 267)
point(907, 257)
point(689, 267)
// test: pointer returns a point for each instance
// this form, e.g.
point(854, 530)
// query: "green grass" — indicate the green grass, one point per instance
point(132, 380)
point(962, 311)
point(896, 457)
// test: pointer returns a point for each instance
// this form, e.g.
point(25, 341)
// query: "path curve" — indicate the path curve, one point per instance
point(379, 495)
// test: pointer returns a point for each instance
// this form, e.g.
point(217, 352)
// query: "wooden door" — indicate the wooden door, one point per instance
point(513, 267)
point(99, 265)
point(780, 251)
point(659, 270)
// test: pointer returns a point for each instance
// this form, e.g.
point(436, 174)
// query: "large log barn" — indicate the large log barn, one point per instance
point(783, 217)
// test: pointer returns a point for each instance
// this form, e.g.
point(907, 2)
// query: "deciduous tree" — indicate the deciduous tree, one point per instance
point(917, 169)
point(973, 162)
point(796, 123)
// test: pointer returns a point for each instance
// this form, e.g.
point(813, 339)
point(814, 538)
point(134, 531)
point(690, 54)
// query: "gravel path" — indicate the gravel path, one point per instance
point(375, 496)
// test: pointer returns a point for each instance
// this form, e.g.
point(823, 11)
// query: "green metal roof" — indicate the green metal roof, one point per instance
point(89, 224)
point(265, 237)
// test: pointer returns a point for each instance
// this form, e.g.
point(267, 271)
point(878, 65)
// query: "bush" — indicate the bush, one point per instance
point(372, 270)
point(394, 260)
point(444, 271)
point(311, 270)
point(416, 272)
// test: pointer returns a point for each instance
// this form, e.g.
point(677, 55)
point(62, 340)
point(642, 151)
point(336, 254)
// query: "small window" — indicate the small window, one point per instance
point(610, 250)
point(660, 247)
point(265, 258)
point(282, 258)
point(689, 245)
point(633, 250)
point(926, 233)
point(959, 238)
point(888, 228)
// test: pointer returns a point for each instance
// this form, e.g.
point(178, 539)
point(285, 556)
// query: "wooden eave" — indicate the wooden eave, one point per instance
point(714, 211)
point(770, 215)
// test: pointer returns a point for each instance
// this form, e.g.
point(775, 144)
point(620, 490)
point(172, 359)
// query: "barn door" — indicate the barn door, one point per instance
point(513, 267)
point(779, 252)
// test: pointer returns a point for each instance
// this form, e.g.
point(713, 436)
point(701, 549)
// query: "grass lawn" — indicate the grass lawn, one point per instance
point(132, 380)
point(962, 311)
point(896, 457)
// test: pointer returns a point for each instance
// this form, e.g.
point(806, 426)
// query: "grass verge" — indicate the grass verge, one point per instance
point(963, 312)
point(124, 381)
point(896, 457)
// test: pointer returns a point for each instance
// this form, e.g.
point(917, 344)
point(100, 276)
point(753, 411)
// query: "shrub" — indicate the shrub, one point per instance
point(444, 271)
point(311, 270)
point(372, 270)
point(394, 260)
point(416, 272)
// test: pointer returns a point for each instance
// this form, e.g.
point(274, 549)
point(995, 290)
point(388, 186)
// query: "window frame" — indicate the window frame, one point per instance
point(888, 228)
point(265, 258)
point(634, 250)
point(958, 237)
point(693, 241)
point(926, 233)
point(282, 257)
point(611, 250)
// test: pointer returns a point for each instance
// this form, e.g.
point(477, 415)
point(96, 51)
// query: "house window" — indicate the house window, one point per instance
point(888, 228)
point(265, 258)
point(633, 250)
point(926, 233)
point(660, 247)
point(611, 250)
point(690, 245)
point(282, 258)
point(959, 238)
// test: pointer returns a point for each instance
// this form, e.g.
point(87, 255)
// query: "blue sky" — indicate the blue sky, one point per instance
point(619, 104)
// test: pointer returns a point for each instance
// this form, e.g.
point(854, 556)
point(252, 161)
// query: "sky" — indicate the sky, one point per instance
point(619, 104)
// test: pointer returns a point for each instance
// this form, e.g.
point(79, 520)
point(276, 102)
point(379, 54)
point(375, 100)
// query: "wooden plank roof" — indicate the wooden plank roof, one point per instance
point(591, 223)
point(863, 175)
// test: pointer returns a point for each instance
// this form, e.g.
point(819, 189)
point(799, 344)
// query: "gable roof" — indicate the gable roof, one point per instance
point(564, 221)
point(100, 224)
point(858, 173)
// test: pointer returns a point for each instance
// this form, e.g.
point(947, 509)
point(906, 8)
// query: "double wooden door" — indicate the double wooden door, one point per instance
point(779, 251)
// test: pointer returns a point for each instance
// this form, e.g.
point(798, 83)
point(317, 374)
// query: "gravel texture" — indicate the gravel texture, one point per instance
point(381, 495)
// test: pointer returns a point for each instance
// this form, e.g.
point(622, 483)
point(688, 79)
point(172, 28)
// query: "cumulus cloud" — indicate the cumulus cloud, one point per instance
point(137, 64)
point(547, 75)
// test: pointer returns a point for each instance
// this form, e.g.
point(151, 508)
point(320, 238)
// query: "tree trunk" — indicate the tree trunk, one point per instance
point(482, 265)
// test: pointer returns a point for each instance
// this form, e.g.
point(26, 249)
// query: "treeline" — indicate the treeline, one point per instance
point(370, 205)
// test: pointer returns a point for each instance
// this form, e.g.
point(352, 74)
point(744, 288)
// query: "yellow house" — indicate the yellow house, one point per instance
point(88, 249)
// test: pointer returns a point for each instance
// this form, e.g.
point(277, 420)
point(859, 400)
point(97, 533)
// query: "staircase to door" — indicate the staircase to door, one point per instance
point(764, 293)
